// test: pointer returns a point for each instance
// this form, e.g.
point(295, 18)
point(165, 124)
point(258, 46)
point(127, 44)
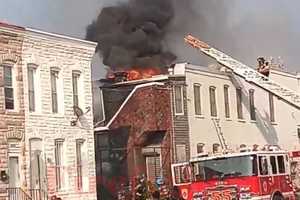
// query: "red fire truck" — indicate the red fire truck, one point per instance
point(235, 176)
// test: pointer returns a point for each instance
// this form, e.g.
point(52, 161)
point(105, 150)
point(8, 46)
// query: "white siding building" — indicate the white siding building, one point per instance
point(60, 156)
point(247, 114)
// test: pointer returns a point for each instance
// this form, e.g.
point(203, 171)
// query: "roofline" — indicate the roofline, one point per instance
point(64, 37)
point(102, 128)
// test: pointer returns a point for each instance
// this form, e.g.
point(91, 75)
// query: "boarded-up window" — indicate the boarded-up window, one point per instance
point(178, 99)
point(37, 164)
point(8, 87)
point(252, 105)
point(239, 103)
point(197, 99)
point(14, 172)
point(226, 101)
point(213, 103)
point(271, 107)
point(31, 88)
point(54, 95)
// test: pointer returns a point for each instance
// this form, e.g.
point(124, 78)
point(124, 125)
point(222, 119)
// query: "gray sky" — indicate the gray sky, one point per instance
point(243, 28)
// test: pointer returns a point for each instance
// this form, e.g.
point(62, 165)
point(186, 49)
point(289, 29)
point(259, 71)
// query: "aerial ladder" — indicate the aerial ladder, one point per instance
point(248, 73)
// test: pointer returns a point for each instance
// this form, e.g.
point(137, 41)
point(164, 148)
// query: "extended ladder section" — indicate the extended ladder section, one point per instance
point(220, 134)
point(248, 73)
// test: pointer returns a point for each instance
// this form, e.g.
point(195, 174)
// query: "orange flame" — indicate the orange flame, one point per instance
point(142, 73)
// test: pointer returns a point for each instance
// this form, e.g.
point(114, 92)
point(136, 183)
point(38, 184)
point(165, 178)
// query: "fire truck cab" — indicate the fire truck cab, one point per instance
point(235, 176)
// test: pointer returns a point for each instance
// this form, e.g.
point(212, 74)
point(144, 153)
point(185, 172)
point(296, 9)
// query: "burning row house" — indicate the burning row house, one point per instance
point(135, 133)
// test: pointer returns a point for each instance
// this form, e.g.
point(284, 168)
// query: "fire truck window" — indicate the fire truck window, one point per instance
point(263, 165)
point(273, 164)
point(281, 165)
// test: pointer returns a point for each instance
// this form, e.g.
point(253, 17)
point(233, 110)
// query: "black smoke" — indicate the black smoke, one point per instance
point(132, 34)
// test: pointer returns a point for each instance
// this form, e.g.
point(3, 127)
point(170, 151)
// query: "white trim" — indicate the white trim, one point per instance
point(94, 44)
point(125, 102)
point(182, 102)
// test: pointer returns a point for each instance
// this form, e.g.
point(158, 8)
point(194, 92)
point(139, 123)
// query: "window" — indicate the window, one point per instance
point(273, 164)
point(79, 156)
point(263, 165)
point(75, 81)
point(54, 79)
point(281, 165)
point(200, 148)
point(197, 99)
point(59, 163)
point(178, 100)
point(271, 107)
point(31, 88)
point(252, 106)
point(213, 104)
point(8, 87)
point(226, 101)
point(239, 103)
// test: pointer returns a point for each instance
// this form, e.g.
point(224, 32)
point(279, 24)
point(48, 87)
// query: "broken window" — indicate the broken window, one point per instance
point(239, 103)
point(178, 99)
point(197, 99)
point(226, 101)
point(252, 106)
point(213, 103)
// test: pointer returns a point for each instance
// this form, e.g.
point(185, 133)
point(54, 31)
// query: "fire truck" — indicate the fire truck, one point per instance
point(263, 174)
point(253, 174)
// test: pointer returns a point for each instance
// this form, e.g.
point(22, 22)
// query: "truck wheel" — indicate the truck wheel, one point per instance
point(278, 197)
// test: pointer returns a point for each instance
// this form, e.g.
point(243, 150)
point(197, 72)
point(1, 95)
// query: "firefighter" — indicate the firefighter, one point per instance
point(263, 66)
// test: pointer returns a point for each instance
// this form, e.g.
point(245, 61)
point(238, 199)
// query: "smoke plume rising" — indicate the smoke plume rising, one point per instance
point(131, 35)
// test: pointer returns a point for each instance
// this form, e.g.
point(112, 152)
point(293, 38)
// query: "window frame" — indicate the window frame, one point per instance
point(59, 178)
point(181, 102)
point(79, 163)
point(271, 108)
point(9, 66)
point(33, 68)
point(54, 75)
point(239, 103)
point(213, 101)
point(227, 101)
point(252, 105)
point(197, 102)
point(76, 75)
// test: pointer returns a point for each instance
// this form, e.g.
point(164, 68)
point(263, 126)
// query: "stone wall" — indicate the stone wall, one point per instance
point(11, 121)
point(48, 51)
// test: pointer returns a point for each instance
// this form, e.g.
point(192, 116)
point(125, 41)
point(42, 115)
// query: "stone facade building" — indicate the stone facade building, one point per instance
point(12, 114)
point(55, 155)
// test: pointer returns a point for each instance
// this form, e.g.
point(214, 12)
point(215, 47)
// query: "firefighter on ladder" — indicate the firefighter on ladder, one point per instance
point(263, 66)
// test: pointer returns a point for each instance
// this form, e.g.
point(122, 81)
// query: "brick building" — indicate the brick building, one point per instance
point(50, 152)
point(136, 133)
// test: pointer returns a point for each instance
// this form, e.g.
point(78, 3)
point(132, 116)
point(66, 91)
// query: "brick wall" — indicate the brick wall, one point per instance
point(11, 39)
point(148, 111)
point(47, 51)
